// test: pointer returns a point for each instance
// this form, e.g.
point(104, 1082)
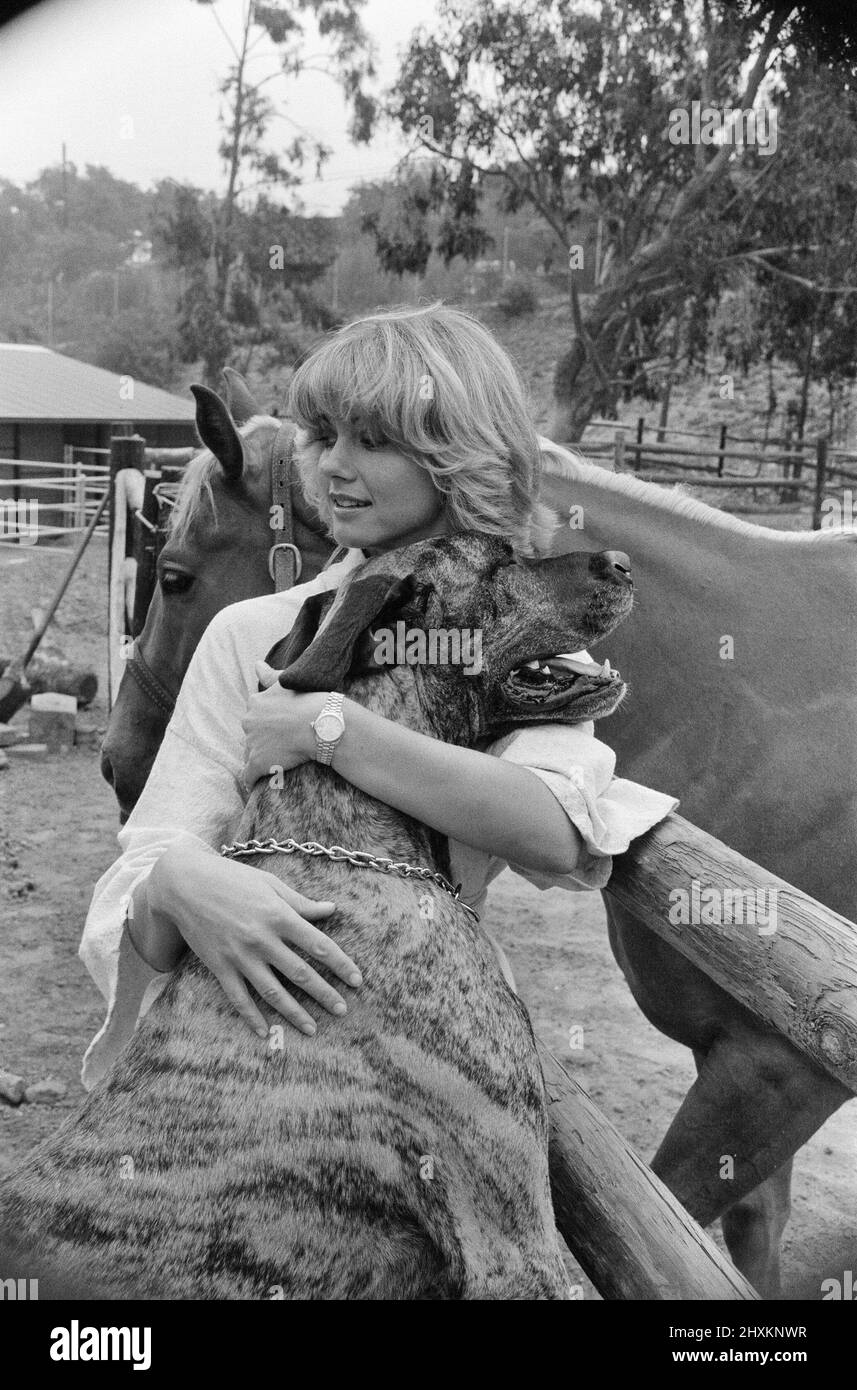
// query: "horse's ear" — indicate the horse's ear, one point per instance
point(218, 433)
point(239, 398)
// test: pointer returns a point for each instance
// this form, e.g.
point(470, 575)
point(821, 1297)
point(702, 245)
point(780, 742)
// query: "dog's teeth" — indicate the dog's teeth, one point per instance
point(546, 670)
point(606, 671)
point(532, 665)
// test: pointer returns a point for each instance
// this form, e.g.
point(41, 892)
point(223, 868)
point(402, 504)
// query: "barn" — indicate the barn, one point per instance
point(57, 415)
point(49, 402)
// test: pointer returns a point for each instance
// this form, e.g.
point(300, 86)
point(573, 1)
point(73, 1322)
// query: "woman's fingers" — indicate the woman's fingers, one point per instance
point(306, 907)
point(301, 973)
point(300, 932)
point(269, 989)
point(239, 997)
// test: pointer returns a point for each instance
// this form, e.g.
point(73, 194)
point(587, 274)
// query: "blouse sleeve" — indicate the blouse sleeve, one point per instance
point(193, 793)
point(609, 812)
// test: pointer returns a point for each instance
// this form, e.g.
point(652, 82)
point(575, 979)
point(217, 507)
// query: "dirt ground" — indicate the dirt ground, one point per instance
point(57, 835)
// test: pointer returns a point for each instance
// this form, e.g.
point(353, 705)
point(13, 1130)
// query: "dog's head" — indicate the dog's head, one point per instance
point(481, 631)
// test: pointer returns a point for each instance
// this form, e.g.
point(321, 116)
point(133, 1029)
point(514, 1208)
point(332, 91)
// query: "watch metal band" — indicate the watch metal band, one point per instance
point(325, 748)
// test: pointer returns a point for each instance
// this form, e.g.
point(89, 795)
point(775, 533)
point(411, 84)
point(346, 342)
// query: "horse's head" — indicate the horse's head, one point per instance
point(216, 553)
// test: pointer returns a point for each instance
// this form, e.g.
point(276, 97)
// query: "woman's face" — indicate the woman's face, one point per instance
point(374, 498)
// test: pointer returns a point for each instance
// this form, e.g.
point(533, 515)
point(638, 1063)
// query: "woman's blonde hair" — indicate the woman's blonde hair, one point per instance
point(434, 384)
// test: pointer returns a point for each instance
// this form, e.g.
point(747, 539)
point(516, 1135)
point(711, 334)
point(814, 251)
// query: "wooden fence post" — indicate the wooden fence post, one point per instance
point(127, 450)
point(619, 450)
point(145, 550)
point(638, 456)
point(820, 480)
point(723, 432)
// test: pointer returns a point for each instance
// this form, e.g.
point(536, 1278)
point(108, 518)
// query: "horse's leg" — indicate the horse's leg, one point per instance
point(753, 1228)
point(755, 1102)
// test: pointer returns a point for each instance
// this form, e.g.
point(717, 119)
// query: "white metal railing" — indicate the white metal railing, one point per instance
point(81, 484)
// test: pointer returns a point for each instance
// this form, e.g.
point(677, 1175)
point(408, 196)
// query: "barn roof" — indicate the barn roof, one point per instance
point(37, 384)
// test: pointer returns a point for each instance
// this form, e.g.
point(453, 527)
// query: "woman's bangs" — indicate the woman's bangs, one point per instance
point(343, 382)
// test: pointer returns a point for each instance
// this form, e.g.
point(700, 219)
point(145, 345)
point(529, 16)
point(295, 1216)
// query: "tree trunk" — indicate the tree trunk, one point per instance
point(579, 390)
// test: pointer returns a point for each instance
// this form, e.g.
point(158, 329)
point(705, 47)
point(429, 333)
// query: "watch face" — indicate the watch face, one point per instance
point(329, 727)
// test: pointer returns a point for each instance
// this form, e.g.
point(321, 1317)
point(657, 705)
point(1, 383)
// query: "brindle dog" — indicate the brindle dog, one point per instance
point(401, 1152)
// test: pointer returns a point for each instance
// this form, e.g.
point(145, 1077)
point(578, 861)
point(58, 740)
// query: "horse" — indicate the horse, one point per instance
point(216, 552)
point(401, 1152)
point(743, 702)
point(729, 735)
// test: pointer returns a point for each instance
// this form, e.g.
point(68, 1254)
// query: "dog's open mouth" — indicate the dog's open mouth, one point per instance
point(558, 679)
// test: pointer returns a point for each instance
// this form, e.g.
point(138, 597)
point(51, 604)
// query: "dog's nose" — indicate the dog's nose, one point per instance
point(620, 565)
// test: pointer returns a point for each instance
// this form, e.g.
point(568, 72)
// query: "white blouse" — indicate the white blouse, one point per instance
point(195, 789)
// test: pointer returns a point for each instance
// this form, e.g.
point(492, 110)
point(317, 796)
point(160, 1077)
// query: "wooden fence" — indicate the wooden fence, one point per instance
point(772, 464)
point(627, 1231)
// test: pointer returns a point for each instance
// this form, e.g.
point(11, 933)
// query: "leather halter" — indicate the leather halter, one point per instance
point(284, 558)
point(284, 562)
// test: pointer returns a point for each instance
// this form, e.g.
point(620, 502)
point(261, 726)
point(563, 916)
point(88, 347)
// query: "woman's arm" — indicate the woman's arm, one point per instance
point(469, 796)
point(170, 889)
point(472, 797)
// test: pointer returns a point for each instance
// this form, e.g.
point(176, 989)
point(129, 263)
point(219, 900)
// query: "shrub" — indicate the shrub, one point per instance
point(517, 298)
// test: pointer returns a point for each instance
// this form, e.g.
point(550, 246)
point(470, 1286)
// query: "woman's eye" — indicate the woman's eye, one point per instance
point(175, 581)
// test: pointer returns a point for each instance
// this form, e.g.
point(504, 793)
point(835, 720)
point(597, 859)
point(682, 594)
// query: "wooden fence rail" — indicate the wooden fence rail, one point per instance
point(631, 1235)
point(794, 966)
point(649, 460)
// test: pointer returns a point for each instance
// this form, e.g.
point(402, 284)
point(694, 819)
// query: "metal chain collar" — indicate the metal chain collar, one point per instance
point(242, 849)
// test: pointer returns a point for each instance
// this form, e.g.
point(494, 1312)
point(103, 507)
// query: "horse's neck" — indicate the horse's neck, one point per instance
point(695, 574)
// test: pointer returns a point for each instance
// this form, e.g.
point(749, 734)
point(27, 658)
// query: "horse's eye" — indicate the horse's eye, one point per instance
point(175, 582)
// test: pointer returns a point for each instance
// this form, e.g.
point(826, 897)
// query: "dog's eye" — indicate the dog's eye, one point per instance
point(175, 582)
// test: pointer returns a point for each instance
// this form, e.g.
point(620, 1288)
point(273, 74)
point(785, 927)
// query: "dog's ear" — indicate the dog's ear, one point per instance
point(304, 629)
point(406, 602)
point(327, 661)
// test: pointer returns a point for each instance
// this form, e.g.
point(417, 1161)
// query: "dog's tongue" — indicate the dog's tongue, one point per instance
point(580, 663)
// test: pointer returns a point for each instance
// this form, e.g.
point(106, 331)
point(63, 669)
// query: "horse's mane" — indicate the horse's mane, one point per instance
point(196, 491)
point(564, 463)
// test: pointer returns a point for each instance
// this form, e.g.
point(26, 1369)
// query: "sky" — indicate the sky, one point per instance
point(133, 85)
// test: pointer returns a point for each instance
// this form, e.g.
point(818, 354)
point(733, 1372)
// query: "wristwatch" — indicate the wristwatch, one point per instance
point(328, 727)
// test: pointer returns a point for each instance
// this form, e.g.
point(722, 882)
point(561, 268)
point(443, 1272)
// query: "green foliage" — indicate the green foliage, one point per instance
point(138, 344)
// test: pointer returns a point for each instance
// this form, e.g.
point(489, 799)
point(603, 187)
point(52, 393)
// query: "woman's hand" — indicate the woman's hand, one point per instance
point(277, 727)
point(243, 923)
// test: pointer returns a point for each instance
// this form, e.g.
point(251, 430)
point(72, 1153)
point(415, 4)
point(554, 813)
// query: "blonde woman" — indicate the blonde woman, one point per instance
point(413, 425)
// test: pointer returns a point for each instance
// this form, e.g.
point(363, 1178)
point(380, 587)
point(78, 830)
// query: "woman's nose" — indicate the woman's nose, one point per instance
point(334, 462)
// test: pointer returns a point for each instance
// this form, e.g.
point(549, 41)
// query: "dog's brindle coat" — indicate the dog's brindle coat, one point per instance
point(401, 1152)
